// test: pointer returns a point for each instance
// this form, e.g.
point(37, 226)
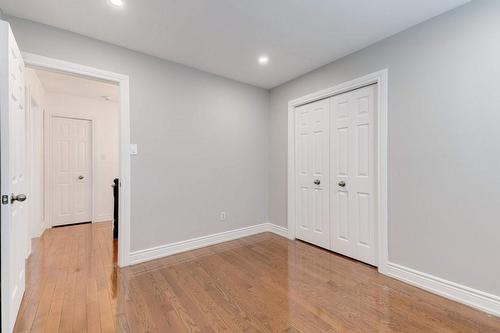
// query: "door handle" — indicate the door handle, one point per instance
point(19, 197)
point(80, 177)
point(317, 182)
point(341, 183)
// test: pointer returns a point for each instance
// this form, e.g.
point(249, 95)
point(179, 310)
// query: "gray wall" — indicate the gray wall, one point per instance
point(202, 139)
point(444, 142)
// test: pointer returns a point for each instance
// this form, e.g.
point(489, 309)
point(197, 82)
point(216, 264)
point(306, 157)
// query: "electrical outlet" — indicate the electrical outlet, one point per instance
point(222, 216)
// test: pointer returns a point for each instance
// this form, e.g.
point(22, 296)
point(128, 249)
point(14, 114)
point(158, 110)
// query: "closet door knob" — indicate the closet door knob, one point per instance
point(317, 182)
point(341, 183)
point(80, 177)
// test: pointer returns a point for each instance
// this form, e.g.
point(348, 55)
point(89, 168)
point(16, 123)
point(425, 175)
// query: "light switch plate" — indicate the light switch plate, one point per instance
point(133, 149)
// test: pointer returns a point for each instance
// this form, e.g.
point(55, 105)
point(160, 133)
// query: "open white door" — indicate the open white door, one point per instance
point(13, 179)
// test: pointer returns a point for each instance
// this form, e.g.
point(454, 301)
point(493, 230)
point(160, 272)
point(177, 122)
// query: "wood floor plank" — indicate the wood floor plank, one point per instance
point(261, 283)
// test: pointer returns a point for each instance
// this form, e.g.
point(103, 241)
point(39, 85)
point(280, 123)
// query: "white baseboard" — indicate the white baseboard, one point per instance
point(39, 232)
point(196, 243)
point(102, 218)
point(278, 230)
point(475, 298)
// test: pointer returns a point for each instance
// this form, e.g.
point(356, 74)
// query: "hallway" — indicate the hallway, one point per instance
point(71, 281)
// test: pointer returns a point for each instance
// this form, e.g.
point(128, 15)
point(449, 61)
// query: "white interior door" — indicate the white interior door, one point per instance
point(72, 163)
point(312, 172)
point(13, 176)
point(353, 180)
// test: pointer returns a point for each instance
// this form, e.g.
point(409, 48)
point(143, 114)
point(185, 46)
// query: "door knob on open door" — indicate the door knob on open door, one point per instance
point(341, 183)
point(19, 197)
point(80, 177)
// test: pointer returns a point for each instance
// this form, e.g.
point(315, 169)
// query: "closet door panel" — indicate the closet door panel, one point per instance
point(353, 175)
point(312, 172)
point(342, 233)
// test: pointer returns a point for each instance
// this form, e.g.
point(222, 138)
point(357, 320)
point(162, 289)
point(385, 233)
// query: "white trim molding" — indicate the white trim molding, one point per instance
point(475, 298)
point(102, 218)
point(38, 61)
point(161, 251)
point(278, 230)
point(381, 79)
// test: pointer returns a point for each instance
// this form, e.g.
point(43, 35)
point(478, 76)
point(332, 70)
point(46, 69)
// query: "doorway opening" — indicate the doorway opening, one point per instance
point(82, 147)
point(73, 134)
point(103, 128)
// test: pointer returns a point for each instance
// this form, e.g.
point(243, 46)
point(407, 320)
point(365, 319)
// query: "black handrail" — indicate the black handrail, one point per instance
point(116, 187)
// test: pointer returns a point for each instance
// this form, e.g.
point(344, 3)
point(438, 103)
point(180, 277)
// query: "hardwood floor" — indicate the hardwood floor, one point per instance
point(262, 283)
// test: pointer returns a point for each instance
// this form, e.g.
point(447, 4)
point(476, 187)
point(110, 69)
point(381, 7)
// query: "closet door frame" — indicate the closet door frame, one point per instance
point(381, 79)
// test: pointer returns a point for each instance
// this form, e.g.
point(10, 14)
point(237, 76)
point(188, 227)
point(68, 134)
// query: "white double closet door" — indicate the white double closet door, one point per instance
point(335, 173)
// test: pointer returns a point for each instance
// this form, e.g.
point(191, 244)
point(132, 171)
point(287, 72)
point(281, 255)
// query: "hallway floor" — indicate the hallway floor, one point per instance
point(262, 283)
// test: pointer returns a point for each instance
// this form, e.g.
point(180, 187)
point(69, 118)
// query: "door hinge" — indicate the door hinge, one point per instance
point(5, 199)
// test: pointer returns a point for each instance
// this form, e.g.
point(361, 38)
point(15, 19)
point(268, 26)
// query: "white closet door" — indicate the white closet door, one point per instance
point(72, 161)
point(312, 172)
point(353, 145)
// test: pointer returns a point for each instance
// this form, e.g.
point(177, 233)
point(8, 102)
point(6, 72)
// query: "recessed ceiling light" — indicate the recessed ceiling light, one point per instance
point(117, 3)
point(263, 60)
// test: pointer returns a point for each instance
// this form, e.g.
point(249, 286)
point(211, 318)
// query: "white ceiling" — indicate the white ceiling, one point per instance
point(225, 37)
point(54, 82)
